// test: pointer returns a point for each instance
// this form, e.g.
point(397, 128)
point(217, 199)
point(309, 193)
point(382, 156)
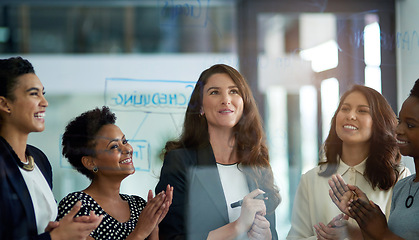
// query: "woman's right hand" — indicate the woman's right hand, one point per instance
point(250, 207)
point(340, 193)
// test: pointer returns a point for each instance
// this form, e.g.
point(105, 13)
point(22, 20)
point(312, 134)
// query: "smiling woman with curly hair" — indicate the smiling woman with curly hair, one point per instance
point(98, 149)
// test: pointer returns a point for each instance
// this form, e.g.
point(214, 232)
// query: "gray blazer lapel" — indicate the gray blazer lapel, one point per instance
point(207, 174)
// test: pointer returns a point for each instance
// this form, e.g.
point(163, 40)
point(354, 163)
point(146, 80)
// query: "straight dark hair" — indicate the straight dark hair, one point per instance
point(10, 70)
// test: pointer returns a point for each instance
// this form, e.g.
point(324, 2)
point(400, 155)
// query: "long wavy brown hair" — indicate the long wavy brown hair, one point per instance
point(250, 140)
point(384, 156)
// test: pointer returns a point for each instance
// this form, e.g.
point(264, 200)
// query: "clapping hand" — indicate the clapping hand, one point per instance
point(152, 214)
point(370, 219)
point(70, 227)
point(167, 202)
point(335, 229)
point(343, 194)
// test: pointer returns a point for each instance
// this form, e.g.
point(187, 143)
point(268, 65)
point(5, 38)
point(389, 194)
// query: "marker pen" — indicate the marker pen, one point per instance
point(240, 202)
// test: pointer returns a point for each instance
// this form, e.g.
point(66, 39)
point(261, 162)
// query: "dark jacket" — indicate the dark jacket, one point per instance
point(199, 204)
point(17, 216)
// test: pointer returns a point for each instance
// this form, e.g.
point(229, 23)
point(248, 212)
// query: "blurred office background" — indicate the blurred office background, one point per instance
point(297, 55)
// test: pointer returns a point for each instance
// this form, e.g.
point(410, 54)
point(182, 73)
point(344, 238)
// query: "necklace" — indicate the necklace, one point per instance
point(410, 198)
point(29, 166)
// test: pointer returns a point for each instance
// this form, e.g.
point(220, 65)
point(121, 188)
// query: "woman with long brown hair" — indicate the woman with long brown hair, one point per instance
point(220, 158)
point(361, 146)
point(403, 220)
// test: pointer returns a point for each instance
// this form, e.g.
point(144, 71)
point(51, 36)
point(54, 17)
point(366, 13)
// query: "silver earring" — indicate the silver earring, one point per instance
point(95, 169)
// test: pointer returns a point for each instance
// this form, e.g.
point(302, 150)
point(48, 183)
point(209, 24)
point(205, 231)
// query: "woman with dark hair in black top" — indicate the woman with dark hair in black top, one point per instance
point(27, 205)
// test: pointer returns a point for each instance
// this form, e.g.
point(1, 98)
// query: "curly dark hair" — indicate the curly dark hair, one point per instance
point(10, 70)
point(384, 156)
point(414, 92)
point(79, 135)
point(250, 144)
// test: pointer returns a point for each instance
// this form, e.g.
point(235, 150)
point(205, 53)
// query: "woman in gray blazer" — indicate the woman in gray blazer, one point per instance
point(220, 158)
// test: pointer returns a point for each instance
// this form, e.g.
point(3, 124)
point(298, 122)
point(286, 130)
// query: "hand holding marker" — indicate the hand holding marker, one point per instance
point(240, 202)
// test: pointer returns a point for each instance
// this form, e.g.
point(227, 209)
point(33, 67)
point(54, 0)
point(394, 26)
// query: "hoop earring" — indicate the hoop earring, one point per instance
point(95, 169)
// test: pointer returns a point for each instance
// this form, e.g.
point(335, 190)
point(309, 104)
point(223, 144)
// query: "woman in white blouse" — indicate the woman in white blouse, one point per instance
point(361, 147)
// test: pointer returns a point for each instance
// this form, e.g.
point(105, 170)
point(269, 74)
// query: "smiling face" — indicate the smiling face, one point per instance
point(27, 110)
point(113, 152)
point(353, 120)
point(222, 103)
point(408, 128)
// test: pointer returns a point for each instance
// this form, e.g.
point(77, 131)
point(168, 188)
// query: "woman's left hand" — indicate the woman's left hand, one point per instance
point(260, 229)
point(168, 201)
point(324, 232)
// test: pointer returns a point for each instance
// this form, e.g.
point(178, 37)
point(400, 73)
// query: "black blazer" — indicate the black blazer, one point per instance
point(17, 216)
point(199, 204)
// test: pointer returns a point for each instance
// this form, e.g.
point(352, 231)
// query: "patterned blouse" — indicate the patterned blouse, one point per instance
point(109, 228)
